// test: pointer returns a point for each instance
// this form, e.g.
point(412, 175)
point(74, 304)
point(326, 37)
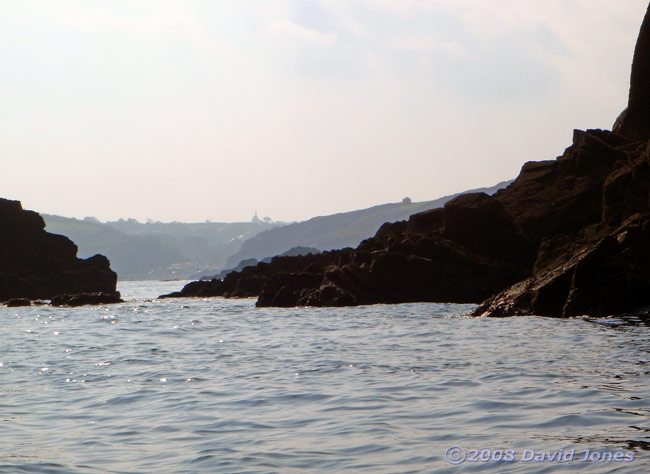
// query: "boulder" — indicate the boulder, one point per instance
point(481, 223)
point(425, 222)
point(200, 288)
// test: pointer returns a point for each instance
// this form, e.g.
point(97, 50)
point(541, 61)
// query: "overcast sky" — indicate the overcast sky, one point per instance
point(195, 110)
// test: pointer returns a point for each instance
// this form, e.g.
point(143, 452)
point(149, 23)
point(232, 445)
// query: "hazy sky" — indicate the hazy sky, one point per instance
point(194, 110)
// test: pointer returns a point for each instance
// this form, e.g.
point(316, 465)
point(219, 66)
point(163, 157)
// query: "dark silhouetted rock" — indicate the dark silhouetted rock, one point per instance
point(287, 289)
point(18, 302)
point(425, 222)
point(634, 122)
point(37, 265)
point(81, 299)
point(594, 248)
point(610, 276)
point(252, 280)
point(480, 223)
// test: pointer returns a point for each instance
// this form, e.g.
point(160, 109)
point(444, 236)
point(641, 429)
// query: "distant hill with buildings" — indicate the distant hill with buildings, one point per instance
point(336, 231)
point(177, 250)
point(157, 250)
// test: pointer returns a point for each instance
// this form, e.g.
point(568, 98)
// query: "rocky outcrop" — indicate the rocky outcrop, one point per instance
point(568, 237)
point(251, 262)
point(35, 264)
point(591, 213)
point(432, 257)
point(597, 263)
point(401, 263)
point(250, 281)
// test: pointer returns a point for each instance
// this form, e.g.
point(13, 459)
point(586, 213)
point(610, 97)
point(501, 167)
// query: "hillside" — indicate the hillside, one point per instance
point(176, 250)
point(336, 231)
point(156, 250)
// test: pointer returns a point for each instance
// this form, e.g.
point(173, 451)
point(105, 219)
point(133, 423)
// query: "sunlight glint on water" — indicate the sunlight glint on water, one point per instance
point(214, 385)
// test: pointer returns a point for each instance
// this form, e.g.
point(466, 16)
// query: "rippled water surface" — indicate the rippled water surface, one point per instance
point(214, 385)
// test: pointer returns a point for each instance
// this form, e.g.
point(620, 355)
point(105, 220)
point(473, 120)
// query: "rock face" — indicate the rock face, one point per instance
point(568, 237)
point(635, 120)
point(594, 238)
point(35, 264)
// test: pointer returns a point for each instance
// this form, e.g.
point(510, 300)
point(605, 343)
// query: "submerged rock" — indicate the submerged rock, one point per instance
point(15, 302)
point(81, 299)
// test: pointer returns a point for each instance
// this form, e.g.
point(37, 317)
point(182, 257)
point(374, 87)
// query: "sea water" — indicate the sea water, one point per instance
point(217, 385)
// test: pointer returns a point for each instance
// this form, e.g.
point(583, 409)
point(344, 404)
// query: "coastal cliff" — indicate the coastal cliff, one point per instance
point(568, 237)
point(37, 265)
